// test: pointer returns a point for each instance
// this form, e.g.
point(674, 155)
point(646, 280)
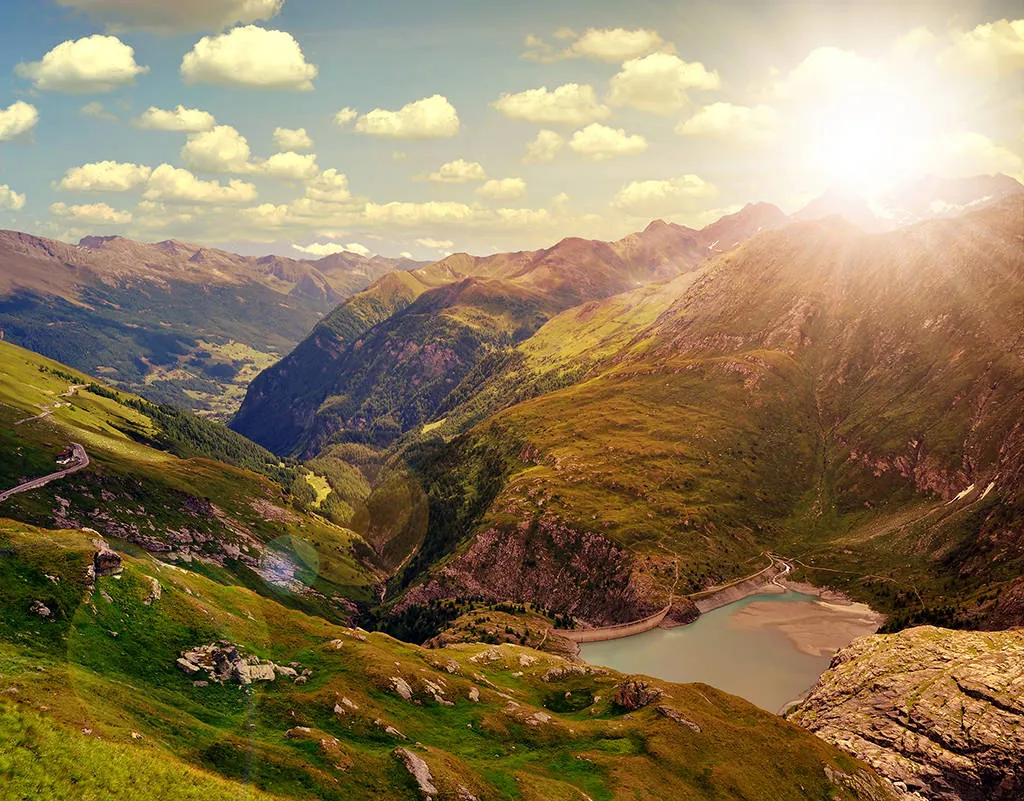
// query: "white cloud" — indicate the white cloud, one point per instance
point(405, 254)
point(726, 121)
point(569, 104)
point(832, 72)
point(994, 49)
point(345, 117)
point(169, 184)
point(182, 16)
point(431, 118)
point(291, 166)
point(329, 248)
point(433, 212)
point(329, 187)
point(219, 150)
point(604, 44)
point(10, 200)
point(544, 148)
point(656, 198)
point(17, 119)
point(659, 83)
point(435, 244)
point(91, 214)
point(599, 142)
point(97, 111)
point(292, 139)
point(181, 119)
point(92, 64)
point(459, 171)
point(503, 189)
point(249, 56)
point(105, 176)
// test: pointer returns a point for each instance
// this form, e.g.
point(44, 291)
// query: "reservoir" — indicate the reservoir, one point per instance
point(767, 648)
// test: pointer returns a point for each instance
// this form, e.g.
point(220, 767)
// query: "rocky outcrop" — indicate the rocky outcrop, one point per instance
point(939, 713)
point(419, 770)
point(225, 662)
point(634, 694)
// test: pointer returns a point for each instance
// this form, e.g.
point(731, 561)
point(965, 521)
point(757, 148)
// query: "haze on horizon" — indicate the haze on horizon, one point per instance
point(309, 127)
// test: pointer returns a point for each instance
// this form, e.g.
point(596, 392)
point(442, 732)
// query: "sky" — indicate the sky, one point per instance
point(305, 127)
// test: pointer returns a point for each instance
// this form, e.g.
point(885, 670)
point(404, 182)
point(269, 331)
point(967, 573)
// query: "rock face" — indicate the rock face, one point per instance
point(633, 694)
point(939, 713)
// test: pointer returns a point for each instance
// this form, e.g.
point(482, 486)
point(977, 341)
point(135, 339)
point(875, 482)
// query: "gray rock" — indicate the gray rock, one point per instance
point(419, 770)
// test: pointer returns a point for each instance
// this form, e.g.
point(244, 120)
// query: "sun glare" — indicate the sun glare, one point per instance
point(870, 143)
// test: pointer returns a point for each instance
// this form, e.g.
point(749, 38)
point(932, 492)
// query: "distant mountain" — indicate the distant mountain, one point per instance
point(179, 322)
point(926, 198)
point(389, 358)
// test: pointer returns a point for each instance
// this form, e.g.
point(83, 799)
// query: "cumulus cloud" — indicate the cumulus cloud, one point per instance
point(430, 118)
point(10, 200)
point(503, 189)
point(656, 198)
point(292, 139)
point(180, 16)
point(290, 166)
point(330, 186)
point(181, 120)
point(570, 104)
point(604, 44)
point(219, 150)
point(727, 121)
point(92, 64)
point(249, 56)
point(17, 119)
point(459, 171)
point(169, 184)
point(599, 142)
point(995, 49)
point(435, 244)
point(345, 117)
point(330, 248)
point(659, 83)
point(544, 148)
point(91, 214)
point(105, 176)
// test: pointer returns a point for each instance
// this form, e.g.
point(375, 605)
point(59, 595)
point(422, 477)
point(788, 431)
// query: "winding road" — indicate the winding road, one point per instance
point(81, 460)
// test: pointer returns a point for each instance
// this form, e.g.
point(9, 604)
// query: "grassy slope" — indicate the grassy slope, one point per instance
point(816, 391)
point(134, 492)
point(113, 685)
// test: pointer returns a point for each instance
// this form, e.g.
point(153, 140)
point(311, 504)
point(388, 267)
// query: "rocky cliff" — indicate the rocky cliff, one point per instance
point(937, 712)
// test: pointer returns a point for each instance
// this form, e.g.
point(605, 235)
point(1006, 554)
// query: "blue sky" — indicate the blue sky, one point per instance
point(676, 110)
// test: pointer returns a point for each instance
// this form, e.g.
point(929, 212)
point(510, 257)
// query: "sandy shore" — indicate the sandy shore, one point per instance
point(817, 628)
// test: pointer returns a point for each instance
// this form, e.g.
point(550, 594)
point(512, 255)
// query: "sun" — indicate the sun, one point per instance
point(869, 142)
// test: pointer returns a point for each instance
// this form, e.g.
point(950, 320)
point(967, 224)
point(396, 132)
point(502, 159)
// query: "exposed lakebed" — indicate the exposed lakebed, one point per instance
point(768, 648)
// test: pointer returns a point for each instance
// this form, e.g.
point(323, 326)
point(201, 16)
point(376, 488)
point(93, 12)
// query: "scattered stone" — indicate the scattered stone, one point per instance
point(474, 695)
point(298, 732)
point(106, 597)
point(200, 684)
point(463, 793)
point(287, 672)
point(300, 680)
point(490, 655)
point(190, 668)
point(41, 609)
point(401, 686)
point(107, 563)
point(337, 645)
point(634, 694)
point(674, 714)
point(223, 662)
point(451, 666)
point(525, 660)
point(419, 770)
point(389, 729)
point(154, 593)
point(537, 718)
point(136, 735)
point(53, 579)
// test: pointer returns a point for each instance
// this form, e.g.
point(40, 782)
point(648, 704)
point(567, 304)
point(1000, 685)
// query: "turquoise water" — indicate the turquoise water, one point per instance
point(759, 664)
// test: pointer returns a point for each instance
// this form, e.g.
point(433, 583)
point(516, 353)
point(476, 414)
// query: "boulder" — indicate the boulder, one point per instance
point(41, 609)
point(107, 563)
point(419, 769)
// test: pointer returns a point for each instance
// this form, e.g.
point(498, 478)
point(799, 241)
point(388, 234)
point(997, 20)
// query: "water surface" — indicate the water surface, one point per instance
point(760, 664)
